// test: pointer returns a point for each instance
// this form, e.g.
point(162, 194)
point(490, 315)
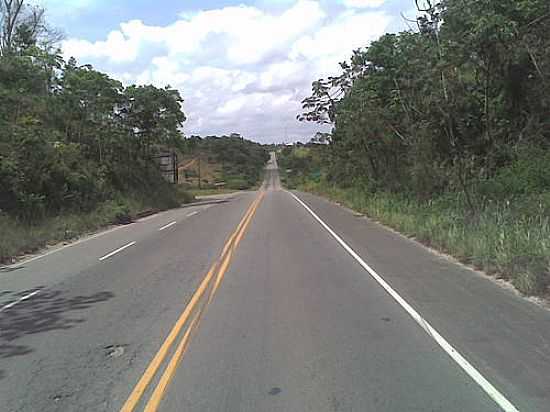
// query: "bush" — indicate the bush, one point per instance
point(528, 174)
point(184, 196)
point(19, 236)
point(237, 184)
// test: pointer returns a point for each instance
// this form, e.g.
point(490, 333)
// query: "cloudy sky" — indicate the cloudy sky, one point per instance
point(241, 66)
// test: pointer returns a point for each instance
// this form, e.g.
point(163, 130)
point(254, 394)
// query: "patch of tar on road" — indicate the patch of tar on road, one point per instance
point(275, 391)
point(386, 319)
point(58, 397)
point(114, 351)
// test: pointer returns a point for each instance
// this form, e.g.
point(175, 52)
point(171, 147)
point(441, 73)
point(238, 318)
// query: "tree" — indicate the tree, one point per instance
point(88, 100)
point(71, 136)
point(23, 26)
point(443, 108)
point(154, 116)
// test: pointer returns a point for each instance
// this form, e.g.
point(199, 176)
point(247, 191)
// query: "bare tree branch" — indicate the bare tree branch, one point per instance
point(9, 16)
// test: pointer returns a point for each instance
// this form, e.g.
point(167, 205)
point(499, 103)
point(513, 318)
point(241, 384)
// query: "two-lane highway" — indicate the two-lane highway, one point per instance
point(271, 301)
point(81, 342)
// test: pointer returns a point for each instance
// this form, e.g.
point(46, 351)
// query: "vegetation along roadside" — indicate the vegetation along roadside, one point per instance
point(507, 239)
point(78, 149)
point(443, 133)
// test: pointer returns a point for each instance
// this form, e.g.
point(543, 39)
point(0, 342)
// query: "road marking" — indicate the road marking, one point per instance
point(21, 299)
point(168, 225)
point(221, 274)
point(489, 389)
point(59, 249)
point(159, 391)
point(153, 367)
point(192, 213)
point(226, 256)
point(114, 252)
point(162, 353)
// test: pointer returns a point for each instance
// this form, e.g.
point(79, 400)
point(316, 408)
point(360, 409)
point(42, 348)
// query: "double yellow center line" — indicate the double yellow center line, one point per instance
point(193, 311)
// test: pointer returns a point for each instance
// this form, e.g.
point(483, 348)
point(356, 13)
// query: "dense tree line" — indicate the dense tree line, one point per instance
point(462, 104)
point(241, 160)
point(71, 136)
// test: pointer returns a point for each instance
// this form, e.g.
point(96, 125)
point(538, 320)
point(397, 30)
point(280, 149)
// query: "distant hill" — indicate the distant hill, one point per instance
point(222, 161)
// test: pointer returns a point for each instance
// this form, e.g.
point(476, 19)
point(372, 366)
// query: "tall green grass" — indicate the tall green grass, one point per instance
point(509, 239)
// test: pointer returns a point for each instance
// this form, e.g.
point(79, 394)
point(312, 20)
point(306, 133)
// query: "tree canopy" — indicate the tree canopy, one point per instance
point(71, 136)
point(449, 106)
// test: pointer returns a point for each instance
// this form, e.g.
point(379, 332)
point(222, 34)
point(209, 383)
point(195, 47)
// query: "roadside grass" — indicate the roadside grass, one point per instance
point(209, 192)
point(20, 238)
point(510, 240)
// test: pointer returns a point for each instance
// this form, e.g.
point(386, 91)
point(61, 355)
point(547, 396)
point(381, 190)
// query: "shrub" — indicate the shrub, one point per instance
point(237, 184)
point(528, 174)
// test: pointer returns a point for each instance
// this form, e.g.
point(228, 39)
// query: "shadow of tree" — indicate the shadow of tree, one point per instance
point(46, 311)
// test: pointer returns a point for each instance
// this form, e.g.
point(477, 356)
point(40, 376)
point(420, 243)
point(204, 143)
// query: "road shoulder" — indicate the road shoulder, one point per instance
point(504, 335)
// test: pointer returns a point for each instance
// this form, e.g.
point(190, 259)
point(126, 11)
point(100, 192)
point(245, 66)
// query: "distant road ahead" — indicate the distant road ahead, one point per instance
point(271, 301)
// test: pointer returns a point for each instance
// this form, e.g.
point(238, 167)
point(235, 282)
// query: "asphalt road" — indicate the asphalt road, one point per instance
point(269, 301)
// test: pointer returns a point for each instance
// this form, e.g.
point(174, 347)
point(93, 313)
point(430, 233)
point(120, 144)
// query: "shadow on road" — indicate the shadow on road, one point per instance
point(48, 310)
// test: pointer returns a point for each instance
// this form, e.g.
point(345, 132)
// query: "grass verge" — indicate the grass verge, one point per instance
point(510, 240)
point(18, 238)
point(209, 192)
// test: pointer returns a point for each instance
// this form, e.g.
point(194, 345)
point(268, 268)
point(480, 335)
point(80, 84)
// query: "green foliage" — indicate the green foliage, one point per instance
point(184, 196)
point(237, 184)
point(241, 161)
point(19, 237)
point(444, 108)
point(301, 164)
point(526, 175)
point(74, 141)
point(444, 133)
point(72, 137)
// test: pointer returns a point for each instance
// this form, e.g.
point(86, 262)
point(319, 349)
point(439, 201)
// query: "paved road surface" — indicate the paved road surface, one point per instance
point(253, 305)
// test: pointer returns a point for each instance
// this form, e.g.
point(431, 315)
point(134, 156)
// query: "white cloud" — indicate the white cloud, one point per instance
point(360, 4)
point(352, 29)
point(281, 74)
point(119, 47)
point(239, 68)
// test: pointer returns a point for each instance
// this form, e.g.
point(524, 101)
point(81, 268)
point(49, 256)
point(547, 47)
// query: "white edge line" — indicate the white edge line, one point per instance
point(21, 299)
point(114, 252)
point(192, 213)
point(489, 389)
point(59, 249)
point(168, 225)
point(85, 239)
